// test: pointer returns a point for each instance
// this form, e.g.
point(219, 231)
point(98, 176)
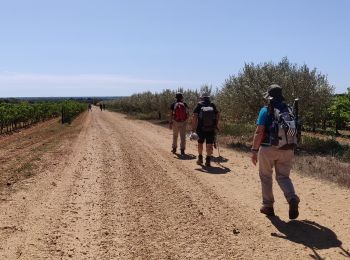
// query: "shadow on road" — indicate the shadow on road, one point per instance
point(308, 233)
point(214, 170)
point(185, 157)
point(219, 159)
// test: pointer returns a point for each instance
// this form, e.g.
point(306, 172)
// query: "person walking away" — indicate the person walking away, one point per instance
point(178, 122)
point(89, 106)
point(273, 147)
point(205, 122)
point(101, 106)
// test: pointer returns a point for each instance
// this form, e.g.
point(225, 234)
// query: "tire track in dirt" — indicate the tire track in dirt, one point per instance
point(85, 222)
point(78, 230)
point(242, 237)
point(113, 235)
point(165, 221)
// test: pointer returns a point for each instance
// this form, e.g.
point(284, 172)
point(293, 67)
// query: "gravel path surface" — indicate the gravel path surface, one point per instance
point(121, 194)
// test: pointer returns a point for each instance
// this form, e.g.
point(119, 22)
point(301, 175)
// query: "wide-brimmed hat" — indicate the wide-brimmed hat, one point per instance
point(274, 91)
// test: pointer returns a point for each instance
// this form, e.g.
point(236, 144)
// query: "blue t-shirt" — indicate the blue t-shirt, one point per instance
point(262, 118)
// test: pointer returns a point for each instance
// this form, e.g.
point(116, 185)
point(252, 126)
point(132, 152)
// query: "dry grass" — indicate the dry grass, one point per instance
point(25, 153)
point(343, 139)
point(327, 168)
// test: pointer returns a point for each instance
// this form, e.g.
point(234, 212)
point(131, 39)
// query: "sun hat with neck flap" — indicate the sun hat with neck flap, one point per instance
point(274, 92)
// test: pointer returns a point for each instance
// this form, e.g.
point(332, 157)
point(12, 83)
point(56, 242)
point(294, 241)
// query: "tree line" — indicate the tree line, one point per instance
point(241, 96)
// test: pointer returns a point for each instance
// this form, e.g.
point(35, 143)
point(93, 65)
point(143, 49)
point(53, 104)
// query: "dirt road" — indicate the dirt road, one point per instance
point(121, 194)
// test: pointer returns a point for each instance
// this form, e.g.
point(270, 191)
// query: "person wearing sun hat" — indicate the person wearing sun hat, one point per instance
point(269, 156)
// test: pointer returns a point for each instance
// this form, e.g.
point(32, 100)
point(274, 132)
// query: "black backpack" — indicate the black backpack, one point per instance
point(207, 118)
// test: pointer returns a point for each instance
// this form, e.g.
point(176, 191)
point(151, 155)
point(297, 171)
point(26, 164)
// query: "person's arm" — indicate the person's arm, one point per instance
point(187, 111)
point(217, 121)
point(195, 118)
point(257, 140)
point(171, 116)
point(217, 116)
point(258, 137)
point(259, 134)
point(171, 119)
point(194, 122)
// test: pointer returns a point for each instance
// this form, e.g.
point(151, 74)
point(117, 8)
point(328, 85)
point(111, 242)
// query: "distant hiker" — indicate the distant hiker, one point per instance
point(178, 122)
point(101, 107)
point(205, 123)
point(89, 106)
point(273, 146)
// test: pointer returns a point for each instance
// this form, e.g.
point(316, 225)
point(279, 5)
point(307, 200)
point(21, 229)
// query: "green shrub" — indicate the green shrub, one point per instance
point(314, 145)
point(146, 116)
point(71, 109)
point(238, 130)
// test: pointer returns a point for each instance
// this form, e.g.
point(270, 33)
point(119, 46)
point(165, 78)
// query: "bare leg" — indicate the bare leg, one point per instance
point(200, 149)
point(209, 149)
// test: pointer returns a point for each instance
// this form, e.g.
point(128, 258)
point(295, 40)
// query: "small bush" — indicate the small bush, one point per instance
point(146, 116)
point(331, 147)
point(239, 130)
point(71, 109)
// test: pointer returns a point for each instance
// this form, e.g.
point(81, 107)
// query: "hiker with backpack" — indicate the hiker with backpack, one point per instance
point(205, 123)
point(178, 122)
point(273, 147)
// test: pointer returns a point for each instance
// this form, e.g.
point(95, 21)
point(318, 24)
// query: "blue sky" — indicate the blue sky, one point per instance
point(83, 48)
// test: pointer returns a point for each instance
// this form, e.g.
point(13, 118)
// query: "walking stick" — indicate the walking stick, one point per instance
point(297, 119)
point(216, 144)
point(218, 150)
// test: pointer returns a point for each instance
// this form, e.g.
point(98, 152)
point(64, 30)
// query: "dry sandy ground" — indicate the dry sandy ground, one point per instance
point(120, 194)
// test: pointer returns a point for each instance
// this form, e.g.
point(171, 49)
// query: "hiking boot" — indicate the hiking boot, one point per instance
point(173, 150)
point(207, 161)
point(268, 211)
point(293, 208)
point(182, 151)
point(200, 159)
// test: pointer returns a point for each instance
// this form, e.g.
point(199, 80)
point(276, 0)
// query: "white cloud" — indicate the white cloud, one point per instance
point(27, 84)
point(16, 78)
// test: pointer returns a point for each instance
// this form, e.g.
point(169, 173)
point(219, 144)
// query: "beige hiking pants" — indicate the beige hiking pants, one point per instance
point(179, 127)
point(281, 160)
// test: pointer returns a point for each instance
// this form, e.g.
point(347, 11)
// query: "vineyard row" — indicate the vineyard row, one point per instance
point(18, 115)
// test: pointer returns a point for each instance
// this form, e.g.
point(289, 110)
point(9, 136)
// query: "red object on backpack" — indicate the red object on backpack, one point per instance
point(180, 112)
